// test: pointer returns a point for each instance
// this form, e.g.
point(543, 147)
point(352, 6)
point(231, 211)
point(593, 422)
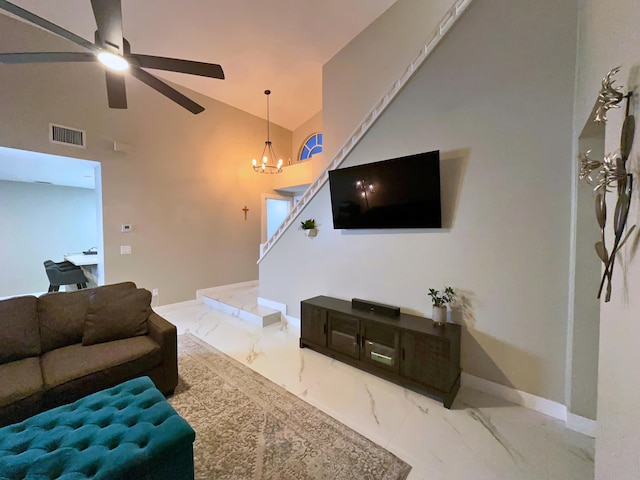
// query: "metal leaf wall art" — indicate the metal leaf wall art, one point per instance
point(611, 176)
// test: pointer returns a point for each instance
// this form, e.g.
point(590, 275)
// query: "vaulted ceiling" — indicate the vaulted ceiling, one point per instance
point(277, 44)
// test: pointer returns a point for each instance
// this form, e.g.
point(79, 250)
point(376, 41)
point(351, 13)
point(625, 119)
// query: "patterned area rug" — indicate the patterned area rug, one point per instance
point(247, 427)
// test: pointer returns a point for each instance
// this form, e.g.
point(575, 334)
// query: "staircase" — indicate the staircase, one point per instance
point(449, 19)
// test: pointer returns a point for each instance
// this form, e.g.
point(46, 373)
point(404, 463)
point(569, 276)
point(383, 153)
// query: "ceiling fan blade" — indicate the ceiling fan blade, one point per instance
point(211, 70)
point(41, 22)
point(166, 90)
point(108, 15)
point(116, 92)
point(46, 57)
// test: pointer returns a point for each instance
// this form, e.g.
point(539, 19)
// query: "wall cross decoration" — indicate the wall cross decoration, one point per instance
point(245, 210)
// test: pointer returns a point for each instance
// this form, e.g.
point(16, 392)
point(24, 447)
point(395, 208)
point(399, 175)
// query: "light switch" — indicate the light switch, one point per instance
point(126, 228)
point(125, 249)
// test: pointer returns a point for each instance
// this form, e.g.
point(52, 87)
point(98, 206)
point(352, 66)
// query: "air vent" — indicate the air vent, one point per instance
point(67, 136)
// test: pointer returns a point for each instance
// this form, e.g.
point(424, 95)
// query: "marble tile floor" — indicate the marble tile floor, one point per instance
point(240, 300)
point(480, 438)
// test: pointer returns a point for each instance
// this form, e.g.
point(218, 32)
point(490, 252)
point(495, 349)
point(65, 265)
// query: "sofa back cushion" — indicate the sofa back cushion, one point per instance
point(62, 314)
point(19, 330)
point(111, 318)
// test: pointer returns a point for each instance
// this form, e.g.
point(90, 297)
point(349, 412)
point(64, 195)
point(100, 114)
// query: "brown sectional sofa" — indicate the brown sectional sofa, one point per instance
point(59, 347)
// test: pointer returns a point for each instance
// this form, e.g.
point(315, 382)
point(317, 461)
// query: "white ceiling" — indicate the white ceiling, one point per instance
point(277, 44)
point(24, 166)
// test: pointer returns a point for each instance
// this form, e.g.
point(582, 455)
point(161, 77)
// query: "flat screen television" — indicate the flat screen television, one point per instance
point(398, 193)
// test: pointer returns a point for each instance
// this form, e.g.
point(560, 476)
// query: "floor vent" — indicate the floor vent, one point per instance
point(67, 136)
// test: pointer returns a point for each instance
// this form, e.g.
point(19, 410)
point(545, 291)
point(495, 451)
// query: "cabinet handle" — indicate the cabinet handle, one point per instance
point(362, 341)
point(403, 354)
point(357, 339)
point(378, 357)
point(324, 328)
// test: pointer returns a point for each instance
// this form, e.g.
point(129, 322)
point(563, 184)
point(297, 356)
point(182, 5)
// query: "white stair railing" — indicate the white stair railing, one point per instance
point(448, 20)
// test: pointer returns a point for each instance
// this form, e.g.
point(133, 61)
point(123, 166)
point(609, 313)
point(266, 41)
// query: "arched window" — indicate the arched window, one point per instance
point(311, 146)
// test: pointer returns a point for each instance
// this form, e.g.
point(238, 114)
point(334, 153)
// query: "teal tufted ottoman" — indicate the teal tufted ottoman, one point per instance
point(126, 432)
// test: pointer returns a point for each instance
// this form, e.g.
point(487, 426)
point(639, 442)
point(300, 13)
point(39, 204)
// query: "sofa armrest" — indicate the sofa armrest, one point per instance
point(165, 334)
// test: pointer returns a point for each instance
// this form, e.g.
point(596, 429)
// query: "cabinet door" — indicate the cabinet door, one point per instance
point(344, 334)
point(313, 324)
point(381, 346)
point(427, 360)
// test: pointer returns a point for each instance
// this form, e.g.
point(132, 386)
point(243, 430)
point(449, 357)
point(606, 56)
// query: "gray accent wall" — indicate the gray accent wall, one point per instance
point(496, 98)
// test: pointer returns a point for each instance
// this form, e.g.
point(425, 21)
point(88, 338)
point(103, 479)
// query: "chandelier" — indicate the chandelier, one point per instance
point(269, 164)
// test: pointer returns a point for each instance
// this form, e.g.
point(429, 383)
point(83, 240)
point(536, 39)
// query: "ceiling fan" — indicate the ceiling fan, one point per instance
point(113, 50)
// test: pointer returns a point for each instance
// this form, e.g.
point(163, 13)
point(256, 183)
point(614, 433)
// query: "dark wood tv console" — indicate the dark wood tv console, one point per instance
point(408, 350)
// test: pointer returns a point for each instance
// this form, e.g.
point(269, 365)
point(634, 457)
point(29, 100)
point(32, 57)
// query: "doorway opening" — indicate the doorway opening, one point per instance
point(52, 209)
point(275, 209)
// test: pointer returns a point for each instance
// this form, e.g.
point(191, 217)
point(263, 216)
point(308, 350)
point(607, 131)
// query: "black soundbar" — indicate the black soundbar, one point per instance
point(377, 308)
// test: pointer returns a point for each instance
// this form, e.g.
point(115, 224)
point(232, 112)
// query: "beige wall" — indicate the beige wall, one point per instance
point(609, 37)
point(497, 101)
point(182, 185)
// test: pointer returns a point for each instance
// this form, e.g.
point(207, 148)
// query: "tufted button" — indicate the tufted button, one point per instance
point(143, 442)
point(18, 450)
point(52, 447)
point(93, 469)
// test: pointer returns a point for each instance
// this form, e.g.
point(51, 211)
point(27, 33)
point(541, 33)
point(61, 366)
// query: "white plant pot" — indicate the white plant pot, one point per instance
point(439, 315)
point(311, 232)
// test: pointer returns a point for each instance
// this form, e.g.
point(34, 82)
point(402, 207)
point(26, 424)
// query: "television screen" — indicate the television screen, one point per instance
point(399, 193)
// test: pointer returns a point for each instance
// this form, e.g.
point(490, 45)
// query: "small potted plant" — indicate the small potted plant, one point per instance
point(309, 226)
point(440, 301)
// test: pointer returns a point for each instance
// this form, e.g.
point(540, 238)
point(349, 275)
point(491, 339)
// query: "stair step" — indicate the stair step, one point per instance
point(240, 300)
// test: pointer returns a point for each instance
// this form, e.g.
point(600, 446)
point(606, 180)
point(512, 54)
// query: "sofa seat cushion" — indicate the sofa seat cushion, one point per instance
point(20, 379)
point(77, 370)
point(19, 329)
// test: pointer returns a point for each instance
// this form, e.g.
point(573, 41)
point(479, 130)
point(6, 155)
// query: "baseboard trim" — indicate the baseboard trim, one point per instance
point(533, 402)
point(583, 425)
point(528, 400)
point(173, 306)
point(281, 307)
point(293, 321)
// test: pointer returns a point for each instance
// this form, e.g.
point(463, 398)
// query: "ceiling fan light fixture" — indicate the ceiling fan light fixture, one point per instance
point(113, 61)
